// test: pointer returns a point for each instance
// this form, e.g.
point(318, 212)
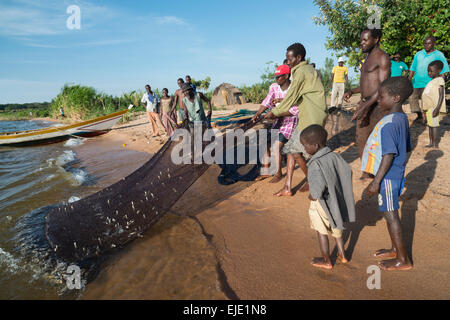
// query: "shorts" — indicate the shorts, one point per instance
point(319, 220)
point(432, 122)
point(282, 138)
point(294, 145)
point(390, 190)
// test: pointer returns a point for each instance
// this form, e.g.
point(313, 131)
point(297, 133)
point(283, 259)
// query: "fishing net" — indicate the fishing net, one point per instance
point(120, 213)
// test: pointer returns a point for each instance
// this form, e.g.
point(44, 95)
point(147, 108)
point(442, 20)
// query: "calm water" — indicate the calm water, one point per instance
point(31, 180)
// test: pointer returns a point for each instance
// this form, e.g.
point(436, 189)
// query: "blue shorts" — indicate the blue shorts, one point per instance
point(390, 190)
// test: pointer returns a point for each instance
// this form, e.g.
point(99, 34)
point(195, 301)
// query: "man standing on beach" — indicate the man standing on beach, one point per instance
point(151, 101)
point(307, 92)
point(376, 69)
point(339, 80)
point(178, 97)
point(419, 71)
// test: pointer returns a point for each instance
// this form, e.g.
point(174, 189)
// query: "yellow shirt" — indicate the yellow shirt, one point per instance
point(307, 92)
point(430, 96)
point(339, 74)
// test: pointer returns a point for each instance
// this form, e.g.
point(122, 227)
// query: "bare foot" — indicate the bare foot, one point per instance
point(260, 178)
point(321, 263)
point(385, 253)
point(394, 264)
point(304, 187)
point(276, 179)
point(285, 192)
point(343, 259)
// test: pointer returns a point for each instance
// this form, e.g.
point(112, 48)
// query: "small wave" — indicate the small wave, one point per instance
point(73, 142)
point(63, 159)
point(73, 199)
point(79, 175)
point(10, 263)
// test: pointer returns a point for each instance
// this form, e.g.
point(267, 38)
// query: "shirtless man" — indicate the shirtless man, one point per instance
point(178, 97)
point(376, 69)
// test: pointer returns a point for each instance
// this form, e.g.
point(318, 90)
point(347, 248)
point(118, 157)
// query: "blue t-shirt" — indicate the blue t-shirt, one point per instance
point(390, 136)
point(397, 68)
point(420, 66)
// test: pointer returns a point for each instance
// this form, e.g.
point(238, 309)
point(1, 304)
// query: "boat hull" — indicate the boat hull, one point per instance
point(88, 128)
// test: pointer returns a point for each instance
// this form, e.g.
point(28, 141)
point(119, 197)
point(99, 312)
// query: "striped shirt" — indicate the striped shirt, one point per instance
point(286, 125)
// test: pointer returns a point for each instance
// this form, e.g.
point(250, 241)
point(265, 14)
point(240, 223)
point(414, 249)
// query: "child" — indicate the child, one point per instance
point(288, 121)
point(433, 101)
point(385, 156)
point(331, 193)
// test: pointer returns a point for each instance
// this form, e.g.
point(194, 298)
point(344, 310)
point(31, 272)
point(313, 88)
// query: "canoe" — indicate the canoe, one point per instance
point(87, 128)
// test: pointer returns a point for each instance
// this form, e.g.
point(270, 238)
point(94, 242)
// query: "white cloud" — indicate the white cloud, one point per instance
point(170, 20)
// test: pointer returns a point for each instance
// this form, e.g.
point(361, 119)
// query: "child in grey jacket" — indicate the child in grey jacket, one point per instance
point(331, 193)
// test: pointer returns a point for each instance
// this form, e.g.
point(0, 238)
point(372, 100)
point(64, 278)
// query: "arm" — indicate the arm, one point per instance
point(202, 96)
point(411, 75)
point(255, 118)
point(440, 100)
point(413, 68)
point(331, 80)
point(317, 184)
point(175, 100)
point(374, 187)
point(351, 92)
point(346, 81)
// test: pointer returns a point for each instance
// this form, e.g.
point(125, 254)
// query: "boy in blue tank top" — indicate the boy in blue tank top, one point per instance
point(385, 156)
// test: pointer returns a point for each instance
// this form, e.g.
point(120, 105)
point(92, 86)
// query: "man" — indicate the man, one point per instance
point(376, 69)
point(307, 92)
point(177, 100)
point(189, 81)
point(419, 72)
point(339, 79)
point(398, 67)
point(151, 100)
point(193, 106)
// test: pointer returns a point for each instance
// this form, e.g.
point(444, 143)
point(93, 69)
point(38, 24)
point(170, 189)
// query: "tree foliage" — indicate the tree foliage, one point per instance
point(405, 25)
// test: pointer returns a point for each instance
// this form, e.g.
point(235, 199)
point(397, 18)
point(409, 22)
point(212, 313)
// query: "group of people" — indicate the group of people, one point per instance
point(297, 104)
point(162, 112)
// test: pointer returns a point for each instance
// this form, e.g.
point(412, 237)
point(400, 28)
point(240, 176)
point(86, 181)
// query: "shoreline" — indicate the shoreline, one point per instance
point(263, 244)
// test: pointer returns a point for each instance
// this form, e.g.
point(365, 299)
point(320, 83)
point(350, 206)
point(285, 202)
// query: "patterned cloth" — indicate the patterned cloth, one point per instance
point(286, 125)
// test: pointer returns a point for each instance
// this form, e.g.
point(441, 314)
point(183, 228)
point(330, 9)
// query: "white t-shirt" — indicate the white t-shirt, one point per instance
point(150, 101)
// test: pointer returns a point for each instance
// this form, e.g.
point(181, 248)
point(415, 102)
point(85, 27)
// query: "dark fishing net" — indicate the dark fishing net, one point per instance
point(121, 212)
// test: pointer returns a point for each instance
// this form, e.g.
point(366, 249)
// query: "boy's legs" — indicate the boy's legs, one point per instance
point(324, 261)
point(435, 134)
point(401, 261)
point(388, 203)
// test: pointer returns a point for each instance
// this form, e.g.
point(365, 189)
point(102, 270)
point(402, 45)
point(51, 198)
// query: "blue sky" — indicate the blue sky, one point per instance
point(123, 45)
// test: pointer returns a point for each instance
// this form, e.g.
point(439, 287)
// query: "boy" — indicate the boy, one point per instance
point(385, 156)
point(433, 101)
point(331, 193)
point(287, 123)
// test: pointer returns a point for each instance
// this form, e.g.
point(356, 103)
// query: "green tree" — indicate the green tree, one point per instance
point(202, 84)
point(405, 25)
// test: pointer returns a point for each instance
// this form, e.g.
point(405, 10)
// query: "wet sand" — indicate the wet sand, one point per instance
point(240, 242)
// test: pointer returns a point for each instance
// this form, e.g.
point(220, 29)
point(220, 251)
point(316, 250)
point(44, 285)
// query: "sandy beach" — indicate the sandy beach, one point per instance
point(241, 242)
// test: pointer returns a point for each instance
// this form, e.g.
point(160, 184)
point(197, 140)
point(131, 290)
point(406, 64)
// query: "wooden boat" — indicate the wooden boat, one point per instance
point(87, 128)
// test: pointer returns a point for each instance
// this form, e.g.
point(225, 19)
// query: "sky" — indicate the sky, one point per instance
point(122, 45)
